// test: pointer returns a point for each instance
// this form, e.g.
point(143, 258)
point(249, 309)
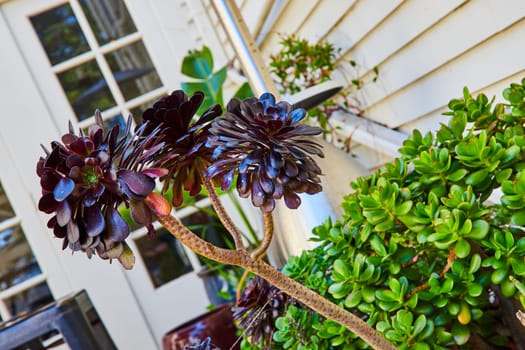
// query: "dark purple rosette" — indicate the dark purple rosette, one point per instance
point(257, 310)
point(86, 178)
point(184, 135)
point(270, 151)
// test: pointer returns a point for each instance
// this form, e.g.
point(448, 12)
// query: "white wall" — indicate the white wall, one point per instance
point(426, 51)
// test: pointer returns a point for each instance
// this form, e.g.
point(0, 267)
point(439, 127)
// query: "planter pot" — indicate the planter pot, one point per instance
point(216, 324)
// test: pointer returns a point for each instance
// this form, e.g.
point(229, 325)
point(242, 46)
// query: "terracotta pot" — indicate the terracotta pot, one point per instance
point(216, 324)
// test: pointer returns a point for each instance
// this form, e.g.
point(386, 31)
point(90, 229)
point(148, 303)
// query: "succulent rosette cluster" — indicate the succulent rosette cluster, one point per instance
point(86, 178)
point(262, 144)
point(257, 310)
point(185, 136)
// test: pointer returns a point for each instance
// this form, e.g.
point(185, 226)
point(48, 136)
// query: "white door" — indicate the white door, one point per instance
point(93, 54)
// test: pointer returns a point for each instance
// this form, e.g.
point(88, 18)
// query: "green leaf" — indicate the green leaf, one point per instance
point(377, 245)
point(477, 177)
point(457, 175)
point(353, 299)
point(475, 289)
point(503, 175)
point(198, 64)
point(386, 295)
point(498, 275)
point(462, 248)
point(419, 324)
point(461, 333)
point(475, 263)
point(244, 92)
point(386, 225)
point(480, 229)
point(518, 218)
point(518, 266)
point(403, 208)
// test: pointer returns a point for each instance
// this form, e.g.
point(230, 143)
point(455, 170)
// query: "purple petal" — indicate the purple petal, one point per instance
point(155, 172)
point(63, 189)
point(63, 213)
point(47, 203)
point(297, 115)
point(227, 179)
point(73, 233)
point(117, 229)
point(140, 212)
point(268, 205)
point(95, 223)
point(49, 180)
point(292, 200)
point(140, 184)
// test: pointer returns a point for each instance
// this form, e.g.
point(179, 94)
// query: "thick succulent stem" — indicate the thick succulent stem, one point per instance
point(224, 217)
point(260, 251)
point(289, 286)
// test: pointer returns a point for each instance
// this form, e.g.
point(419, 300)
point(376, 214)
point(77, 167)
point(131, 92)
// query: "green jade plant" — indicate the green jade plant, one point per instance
point(257, 143)
point(431, 248)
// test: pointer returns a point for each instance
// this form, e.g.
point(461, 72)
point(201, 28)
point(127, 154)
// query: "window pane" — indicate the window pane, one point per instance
point(17, 262)
point(86, 89)
point(29, 300)
point(60, 34)
point(6, 211)
point(164, 257)
point(133, 70)
point(109, 19)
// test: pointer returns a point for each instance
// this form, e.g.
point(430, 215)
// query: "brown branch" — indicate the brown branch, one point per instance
point(448, 265)
point(260, 251)
point(224, 217)
point(284, 283)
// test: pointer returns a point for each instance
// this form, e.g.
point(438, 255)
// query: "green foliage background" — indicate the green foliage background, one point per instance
point(421, 254)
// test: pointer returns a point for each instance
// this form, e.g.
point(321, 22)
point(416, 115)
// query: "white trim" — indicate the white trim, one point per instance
point(22, 286)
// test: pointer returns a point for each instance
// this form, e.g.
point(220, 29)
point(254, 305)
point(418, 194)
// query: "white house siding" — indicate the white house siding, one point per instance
point(426, 51)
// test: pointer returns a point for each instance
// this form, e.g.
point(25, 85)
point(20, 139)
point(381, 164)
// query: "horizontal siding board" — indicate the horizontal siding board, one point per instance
point(357, 23)
point(322, 20)
point(289, 21)
point(403, 25)
point(448, 40)
point(432, 120)
point(500, 56)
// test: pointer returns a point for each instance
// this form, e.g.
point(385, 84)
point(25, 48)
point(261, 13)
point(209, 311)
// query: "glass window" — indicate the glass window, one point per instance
point(86, 89)
point(6, 212)
point(29, 300)
point(133, 70)
point(60, 34)
point(17, 262)
point(164, 257)
point(109, 19)
point(63, 31)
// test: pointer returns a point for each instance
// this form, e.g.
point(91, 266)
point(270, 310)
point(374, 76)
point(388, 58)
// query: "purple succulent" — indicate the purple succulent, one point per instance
point(184, 136)
point(263, 143)
point(85, 178)
point(257, 310)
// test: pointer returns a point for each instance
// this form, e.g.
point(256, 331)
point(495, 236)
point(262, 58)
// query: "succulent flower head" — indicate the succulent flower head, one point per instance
point(264, 143)
point(184, 136)
point(84, 180)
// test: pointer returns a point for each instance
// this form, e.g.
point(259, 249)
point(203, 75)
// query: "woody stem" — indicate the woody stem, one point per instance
point(289, 286)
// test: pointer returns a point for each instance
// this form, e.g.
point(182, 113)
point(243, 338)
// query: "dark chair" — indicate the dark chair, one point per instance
point(73, 316)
